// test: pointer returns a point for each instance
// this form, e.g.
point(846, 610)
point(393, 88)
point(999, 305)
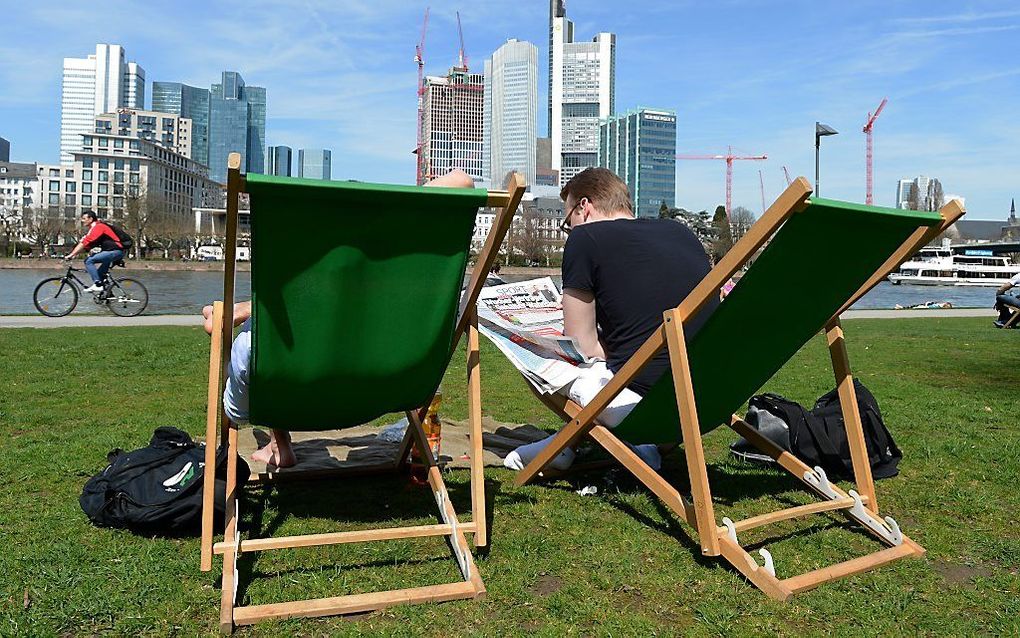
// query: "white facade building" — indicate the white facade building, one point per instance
point(100, 83)
point(582, 91)
point(511, 112)
point(452, 124)
point(903, 193)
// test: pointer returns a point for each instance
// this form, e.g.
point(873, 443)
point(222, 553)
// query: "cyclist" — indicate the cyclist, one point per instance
point(112, 251)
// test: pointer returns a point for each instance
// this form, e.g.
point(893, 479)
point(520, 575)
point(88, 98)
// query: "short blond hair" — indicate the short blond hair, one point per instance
point(603, 188)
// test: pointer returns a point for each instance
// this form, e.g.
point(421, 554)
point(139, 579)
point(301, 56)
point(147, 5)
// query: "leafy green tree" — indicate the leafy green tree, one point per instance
point(665, 212)
point(723, 235)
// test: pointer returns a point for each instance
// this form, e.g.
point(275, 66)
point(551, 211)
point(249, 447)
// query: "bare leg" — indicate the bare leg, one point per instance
point(278, 452)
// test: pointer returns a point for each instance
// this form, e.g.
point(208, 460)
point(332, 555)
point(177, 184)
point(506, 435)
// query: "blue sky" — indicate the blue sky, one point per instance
point(748, 73)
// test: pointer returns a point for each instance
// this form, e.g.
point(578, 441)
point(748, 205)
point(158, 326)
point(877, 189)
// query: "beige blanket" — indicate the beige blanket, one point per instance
point(360, 448)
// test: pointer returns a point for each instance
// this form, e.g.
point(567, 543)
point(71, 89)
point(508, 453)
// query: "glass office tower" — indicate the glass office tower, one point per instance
point(186, 101)
point(640, 147)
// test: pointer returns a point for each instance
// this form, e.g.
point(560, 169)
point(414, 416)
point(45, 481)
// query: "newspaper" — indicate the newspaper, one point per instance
point(525, 321)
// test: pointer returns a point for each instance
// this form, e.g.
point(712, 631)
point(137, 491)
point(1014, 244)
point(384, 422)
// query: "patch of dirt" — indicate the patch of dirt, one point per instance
point(531, 626)
point(547, 584)
point(954, 574)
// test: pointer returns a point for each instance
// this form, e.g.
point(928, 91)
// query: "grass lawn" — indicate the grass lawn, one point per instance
point(561, 564)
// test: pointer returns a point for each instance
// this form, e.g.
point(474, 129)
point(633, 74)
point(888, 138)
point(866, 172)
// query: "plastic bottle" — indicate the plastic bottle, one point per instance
point(433, 426)
point(433, 433)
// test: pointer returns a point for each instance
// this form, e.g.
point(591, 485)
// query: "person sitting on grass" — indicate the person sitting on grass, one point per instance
point(620, 273)
point(278, 452)
point(111, 250)
point(1004, 302)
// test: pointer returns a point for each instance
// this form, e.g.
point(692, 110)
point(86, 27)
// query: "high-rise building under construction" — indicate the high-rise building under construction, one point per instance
point(452, 124)
point(582, 91)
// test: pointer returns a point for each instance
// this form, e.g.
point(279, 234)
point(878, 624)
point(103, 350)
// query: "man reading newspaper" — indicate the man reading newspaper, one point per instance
point(619, 275)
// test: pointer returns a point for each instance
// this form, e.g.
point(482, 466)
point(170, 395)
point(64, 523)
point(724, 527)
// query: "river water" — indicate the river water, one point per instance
point(185, 292)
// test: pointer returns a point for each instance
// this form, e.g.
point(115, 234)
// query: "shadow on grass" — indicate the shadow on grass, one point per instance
point(354, 502)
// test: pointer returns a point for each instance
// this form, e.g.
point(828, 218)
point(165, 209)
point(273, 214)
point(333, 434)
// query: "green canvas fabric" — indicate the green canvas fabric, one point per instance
point(818, 259)
point(355, 289)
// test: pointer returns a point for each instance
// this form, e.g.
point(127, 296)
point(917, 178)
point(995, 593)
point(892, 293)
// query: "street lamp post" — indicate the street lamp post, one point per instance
point(821, 130)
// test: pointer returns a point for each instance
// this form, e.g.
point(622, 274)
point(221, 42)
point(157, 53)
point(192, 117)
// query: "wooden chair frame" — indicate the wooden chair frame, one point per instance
point(450, 526)
point(721, 540)
point(1013, 318)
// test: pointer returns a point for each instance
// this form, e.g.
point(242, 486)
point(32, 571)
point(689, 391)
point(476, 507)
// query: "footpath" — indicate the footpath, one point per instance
point(108, 321)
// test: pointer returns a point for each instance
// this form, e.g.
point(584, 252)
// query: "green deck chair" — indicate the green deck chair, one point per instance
point(821, 256)
point(356, 319)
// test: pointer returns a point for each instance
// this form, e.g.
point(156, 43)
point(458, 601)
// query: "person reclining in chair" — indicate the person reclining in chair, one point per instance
point(619, 275)
point(278, 452)
point(1004, 302)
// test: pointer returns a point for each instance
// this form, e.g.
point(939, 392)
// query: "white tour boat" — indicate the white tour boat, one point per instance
point(940, 267)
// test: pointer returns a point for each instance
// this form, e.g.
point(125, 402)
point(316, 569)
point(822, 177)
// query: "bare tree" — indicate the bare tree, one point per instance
point(528, 239)
point(914, 197)
point(141, 209)
point(741, 220)
point(41, 227)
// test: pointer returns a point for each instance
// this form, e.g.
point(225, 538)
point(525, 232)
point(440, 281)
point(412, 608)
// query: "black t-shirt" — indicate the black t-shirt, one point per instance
point(636, 269)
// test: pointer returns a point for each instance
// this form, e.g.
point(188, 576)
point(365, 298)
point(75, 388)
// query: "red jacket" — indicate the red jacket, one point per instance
point(102, 235)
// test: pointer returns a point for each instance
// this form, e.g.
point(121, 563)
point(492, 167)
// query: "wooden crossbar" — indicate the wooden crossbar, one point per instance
point(339, 538)
point(355, 603)
point(812, 579)
point(792, 512)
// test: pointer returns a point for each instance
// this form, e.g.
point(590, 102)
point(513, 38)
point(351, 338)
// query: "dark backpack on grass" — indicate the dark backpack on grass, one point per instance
point(156, 489)
point(818, 436)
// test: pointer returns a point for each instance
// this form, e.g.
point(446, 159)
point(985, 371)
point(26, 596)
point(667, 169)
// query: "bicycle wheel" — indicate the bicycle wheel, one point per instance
point(55, 297)
point(128, 297)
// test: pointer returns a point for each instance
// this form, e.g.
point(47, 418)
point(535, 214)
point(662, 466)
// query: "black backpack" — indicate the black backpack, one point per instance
point(157, 489)
point(125, 240)
point(818, 436)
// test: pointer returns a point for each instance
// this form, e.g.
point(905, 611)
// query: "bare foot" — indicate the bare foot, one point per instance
point(272, 455)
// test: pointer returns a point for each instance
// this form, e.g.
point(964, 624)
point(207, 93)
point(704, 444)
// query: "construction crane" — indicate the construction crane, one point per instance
point(867, 131)
point(730, 158)
point(787, 173)
point(419, 58)
point(761, 181)
point(462, 56)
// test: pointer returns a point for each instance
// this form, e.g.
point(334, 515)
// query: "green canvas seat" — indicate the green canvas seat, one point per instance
point(821, 256)
point(353, 319)
point(357, 309)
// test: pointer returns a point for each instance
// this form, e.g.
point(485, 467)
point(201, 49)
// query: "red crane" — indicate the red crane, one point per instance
point(867, 131)
point(729, 157)
point(419, 58)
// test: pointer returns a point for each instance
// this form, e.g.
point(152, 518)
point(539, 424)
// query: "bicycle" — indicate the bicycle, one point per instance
point(58, 296)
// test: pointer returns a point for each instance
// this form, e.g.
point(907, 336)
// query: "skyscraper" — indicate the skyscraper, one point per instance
point(511, 111)
point(315, 163)
point(452, 123)
point(190, 102)
point(5, 150)
point(100, 83)
point(582, 90)
point(640, 147)
point(903, 193)
point(278, 160)
point(237, 124)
